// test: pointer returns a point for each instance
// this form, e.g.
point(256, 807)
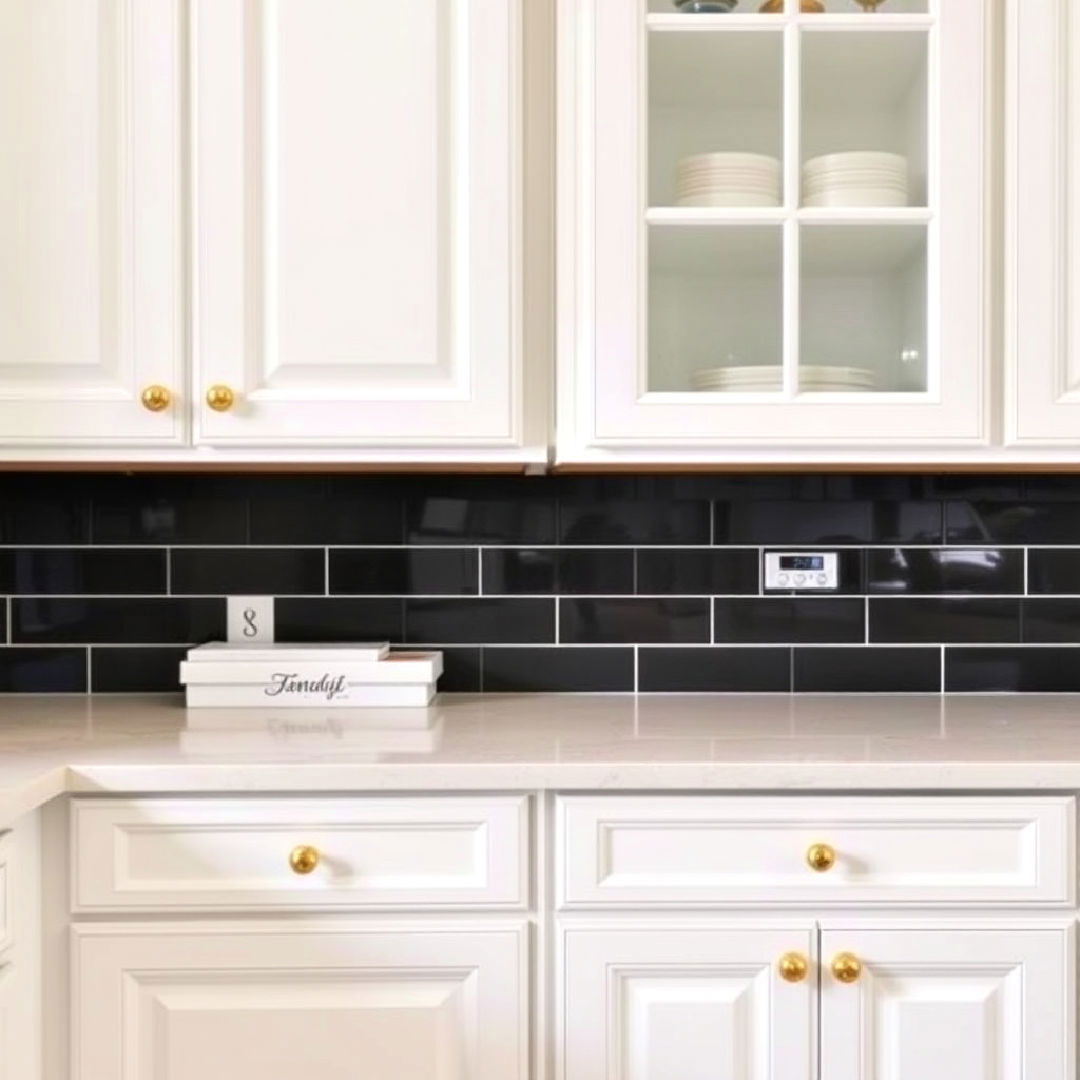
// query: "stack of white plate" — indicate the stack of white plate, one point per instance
point(728, 179)
point(768, 378)
point(856, 178)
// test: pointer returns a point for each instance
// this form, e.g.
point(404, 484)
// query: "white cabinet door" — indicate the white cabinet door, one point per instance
point(693, 1003)
point(1042, 267)
point(278, 1002)
point(949, 1003)
point(691, 330)
point(91, 179)
point(357, 200)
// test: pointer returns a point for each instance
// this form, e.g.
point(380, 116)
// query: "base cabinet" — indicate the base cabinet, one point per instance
point(283, 1001)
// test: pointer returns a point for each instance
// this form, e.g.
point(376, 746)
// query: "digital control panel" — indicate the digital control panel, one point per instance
point(813, 570)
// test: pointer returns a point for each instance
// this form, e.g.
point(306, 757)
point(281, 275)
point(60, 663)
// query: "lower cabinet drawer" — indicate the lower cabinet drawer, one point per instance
point(716, 851)
point(218, 854)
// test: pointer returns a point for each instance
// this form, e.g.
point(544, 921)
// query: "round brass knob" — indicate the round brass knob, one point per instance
point(155, 398)
point(793, 967)
point(303, 859)
point(846, 967)
point(820, 857)
point(220, 398)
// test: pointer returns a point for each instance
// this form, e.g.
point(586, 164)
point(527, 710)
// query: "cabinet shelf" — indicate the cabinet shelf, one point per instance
point(705, 24)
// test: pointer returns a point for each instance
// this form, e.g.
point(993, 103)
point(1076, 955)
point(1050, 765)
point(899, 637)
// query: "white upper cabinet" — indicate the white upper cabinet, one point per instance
point(91, 222)
point(770, 295)
point(1042, 187)
point(357, 201)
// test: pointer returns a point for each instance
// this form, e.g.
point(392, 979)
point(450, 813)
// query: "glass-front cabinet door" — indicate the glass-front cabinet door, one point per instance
point(772, 225)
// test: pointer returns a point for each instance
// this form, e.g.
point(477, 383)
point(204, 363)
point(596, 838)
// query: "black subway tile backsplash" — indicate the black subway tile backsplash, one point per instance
point(589, 583)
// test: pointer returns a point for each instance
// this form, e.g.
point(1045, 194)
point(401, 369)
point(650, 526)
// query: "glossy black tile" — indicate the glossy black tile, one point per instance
point(132, 670)
point(1051, 619)
point(697, 571)
point(945, 570)
point(248, 571)
point(337, 511)
point(109, 620)
point(812, 521)
point(1016, 670)
point(170, 510)
point(652, 621)
point(480, 621)
point(82, 571)
point(778, 620)
point(461, 668)
point(867, 671)
point(1054, 570)
point(703, 671)
point(940, 620)
point(42, 671)
point(448, 518)
point(569, 571)
point(1023, 522)
point(645, 522)
point(37, 509)
point(339, 618)
point(558, 670)
point(404, 571)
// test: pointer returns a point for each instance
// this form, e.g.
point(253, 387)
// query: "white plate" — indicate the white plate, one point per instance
point(874, 159)
point(858, 197)
point(730, 198)
point(733, 157)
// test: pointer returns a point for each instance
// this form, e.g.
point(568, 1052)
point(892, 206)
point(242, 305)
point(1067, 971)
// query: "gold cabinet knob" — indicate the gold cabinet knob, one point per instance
point(303, 859)
point(155, 398)
point(793, 967)
point(846, 967)
point(220, 398)
point(820, 857)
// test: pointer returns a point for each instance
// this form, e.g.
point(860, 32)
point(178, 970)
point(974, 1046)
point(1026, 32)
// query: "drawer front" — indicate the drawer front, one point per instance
point(691, 851)
point(206, 854)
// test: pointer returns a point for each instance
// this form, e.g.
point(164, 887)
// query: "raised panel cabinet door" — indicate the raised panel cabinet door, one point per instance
point(91, 218)
point(279, 1002)
point(948, 1002)
point(693, 1003)
point(357, 199)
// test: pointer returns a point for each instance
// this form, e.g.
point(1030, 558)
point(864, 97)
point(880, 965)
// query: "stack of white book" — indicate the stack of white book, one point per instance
point(226, 675)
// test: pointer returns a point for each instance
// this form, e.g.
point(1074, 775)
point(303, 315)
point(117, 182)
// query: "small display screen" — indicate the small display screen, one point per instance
point(802, 562)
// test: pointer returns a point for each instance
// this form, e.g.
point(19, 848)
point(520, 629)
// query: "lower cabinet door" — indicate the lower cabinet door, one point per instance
point(297, 1002)
point(693, 1003)
point(947, 1003)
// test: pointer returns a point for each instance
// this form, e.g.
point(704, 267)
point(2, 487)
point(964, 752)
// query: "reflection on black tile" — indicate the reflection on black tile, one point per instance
point(1054, 570)
point(338, 618)
point(42, 671)
point(605, 621)
point(248, 571)
point(404, 571)
point(38, 509)
point(480, 621)
point(150, 621)
point(697, 571)
point(460, 519)
point(461, 669)
point(341, 511)
point(82, 571)
point(944, 620)
point(557, 670)
point(1024, 670)
point(703, 671)
point(1051, 619)
point(596, 571)
point(827, 522)
point(170, 510)
point(945, 570)
point(778, 620)
point(867, 671)
point(1022, 522)
point(135, 671)
point(645, 522)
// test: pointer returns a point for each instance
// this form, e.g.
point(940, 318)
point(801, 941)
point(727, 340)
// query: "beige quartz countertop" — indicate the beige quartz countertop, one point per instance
point(152, 744)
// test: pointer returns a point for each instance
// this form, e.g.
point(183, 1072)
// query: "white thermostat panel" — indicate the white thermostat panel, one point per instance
point(801, 570)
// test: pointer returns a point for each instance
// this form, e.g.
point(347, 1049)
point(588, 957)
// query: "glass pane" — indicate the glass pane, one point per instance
point(715, 93)
point(864, 93)
point(715, 308)
point(872, 7)
point(863, 308)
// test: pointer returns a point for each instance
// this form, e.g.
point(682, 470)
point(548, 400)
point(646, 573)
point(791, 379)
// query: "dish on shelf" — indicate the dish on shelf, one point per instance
point(807, 7)
point(706, 7)
point(728, 178)
point(856, 178)
point(768, 378)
